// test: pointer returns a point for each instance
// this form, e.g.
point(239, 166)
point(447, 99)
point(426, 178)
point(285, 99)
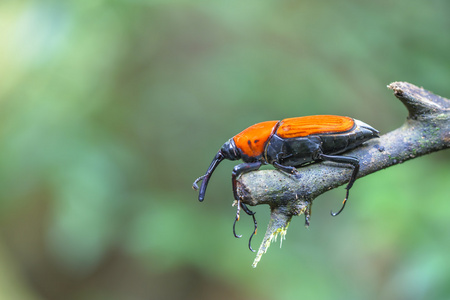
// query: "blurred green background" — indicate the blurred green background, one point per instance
point(110, 109)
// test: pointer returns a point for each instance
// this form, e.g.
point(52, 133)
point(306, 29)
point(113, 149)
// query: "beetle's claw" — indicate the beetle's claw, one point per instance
point(234, 228)
point(250, 242)
point(343, 205)
point(238, 211)
point(253, 233)
point(250, 213)
point(240, 205)
point(340, 210)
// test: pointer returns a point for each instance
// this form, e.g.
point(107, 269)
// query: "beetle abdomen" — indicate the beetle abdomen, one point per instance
point(341, 142)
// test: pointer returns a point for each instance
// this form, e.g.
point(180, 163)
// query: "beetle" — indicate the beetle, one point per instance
point(288, 144)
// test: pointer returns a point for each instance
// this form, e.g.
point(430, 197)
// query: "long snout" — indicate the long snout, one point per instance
point(215, 162)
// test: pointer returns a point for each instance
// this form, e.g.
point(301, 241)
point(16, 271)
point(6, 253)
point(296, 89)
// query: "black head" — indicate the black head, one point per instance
point(228, 151)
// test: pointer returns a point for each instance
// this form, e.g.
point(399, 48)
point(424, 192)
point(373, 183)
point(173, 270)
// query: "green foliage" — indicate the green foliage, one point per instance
point(110, 109)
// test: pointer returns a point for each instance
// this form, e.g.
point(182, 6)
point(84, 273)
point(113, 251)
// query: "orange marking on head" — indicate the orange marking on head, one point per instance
point(304, 126)
point(252, 140)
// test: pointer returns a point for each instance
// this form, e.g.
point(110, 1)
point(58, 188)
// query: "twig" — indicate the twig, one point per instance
point(426, 130)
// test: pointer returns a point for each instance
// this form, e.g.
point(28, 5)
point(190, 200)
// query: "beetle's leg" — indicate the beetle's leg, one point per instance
point(286, 169)
point(238, 211)
point(237, 171)
point(346, 160)
point(250, 213)
point(242, 168)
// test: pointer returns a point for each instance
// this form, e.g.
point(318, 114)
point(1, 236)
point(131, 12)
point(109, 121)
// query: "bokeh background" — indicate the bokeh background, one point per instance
point(110, 109)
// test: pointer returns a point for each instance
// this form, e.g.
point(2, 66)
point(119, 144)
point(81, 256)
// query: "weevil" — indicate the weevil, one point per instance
point(287, 145)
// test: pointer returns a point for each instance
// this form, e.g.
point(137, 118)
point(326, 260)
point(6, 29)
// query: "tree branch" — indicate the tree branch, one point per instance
point(426, 130)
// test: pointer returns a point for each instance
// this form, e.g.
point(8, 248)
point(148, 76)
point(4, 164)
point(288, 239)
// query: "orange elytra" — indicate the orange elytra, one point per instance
point(304, 126)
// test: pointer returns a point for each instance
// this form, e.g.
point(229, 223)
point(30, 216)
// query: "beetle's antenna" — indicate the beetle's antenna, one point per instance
point(215, 162)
